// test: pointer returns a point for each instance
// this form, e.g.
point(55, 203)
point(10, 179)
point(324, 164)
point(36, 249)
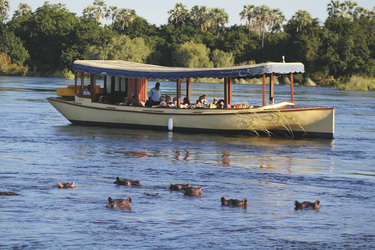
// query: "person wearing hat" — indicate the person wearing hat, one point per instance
point(213, 105)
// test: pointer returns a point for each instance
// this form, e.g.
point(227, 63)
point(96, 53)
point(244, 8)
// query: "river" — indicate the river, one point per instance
point(39, 148)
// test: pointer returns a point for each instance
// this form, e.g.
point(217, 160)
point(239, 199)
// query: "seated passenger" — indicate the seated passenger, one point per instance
point(162, 103)
point(221, 104)
point(174, 103)
point(186, 103)
point(213, 105)
point(125, 101)
point(200, 103)
point(205, 102)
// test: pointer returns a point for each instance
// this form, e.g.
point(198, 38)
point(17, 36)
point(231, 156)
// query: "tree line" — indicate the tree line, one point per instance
point(50, 38)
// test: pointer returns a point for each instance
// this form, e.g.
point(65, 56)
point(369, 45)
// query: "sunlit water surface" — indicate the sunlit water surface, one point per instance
point(39, 148)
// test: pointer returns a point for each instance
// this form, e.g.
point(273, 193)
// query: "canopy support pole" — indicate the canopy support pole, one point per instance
point(291, 88)
point(188, 86)
point(230, 81)
point(264, 90)
point(178, 93)
point(272, 99)
point(93, 87)
point(225, 92)
point(75, 82)
point(105, 84)
point(82, 81)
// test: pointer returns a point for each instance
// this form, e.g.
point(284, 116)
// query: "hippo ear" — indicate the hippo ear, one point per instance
point(110, 199)
point(244, 201)
point(296, 202)
point(317, 202)
point(170, 184)
point(117, 178)
point(129, 199)
point(222, 199)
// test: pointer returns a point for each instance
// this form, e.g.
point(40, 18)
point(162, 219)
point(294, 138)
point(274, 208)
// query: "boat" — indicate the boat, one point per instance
point(129, 79)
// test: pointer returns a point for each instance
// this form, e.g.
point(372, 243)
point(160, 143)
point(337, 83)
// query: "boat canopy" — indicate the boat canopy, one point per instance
point(140, 70)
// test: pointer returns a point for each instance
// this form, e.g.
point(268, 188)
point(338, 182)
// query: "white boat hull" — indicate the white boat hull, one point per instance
point(281, 118)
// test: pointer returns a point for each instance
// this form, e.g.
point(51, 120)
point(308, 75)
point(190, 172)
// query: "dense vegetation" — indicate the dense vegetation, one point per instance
point(49, 39)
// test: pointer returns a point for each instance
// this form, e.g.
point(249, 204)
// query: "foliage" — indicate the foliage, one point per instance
point(12, 45)
point(191, 55)
point(222, 59)
point(51, 38)
point(121, 48)
point(9, 68)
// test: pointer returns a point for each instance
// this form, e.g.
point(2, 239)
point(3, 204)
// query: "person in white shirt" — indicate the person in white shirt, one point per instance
point(155, 94)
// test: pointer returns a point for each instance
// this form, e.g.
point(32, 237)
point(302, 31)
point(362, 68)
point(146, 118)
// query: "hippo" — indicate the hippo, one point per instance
point(178, 187)
point(8, 193)
point(233, 202)
point(191, 191)
point(126, 182)
point(307, 204)
point(118, 203)
point(66, 185)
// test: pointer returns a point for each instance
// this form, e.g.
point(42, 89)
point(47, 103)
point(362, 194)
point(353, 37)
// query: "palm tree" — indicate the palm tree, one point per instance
point(89, 12)
point(276, 20)
point(263, 19)
point(360, 12)
point(248, 14)
point(351, 6)
point(101, 8)
point(303, 18)
point(335, 8)
point(4, 8)
point(23, 10)
point(201, 16)
point(126, 17)
point(219, 18)
point(178, 15)
point(112, 13)
point(61, 6)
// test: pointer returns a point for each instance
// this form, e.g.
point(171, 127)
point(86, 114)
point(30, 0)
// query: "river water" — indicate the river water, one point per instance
point(39, 148)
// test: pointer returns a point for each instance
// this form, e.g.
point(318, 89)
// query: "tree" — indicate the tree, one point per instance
point(222, 59)
point(112, 13)
point(89, 12)
point(335, 8)
point(219, 19)
point(12, 46)
point(191, 55)
point(302, 18)
point(178, 15)
point(248, 13)
point(121, 48)
point(23, 10)
point(200, 15)
point(262, 19)
point(4, 8)
point(101, 9)
point(125, 17)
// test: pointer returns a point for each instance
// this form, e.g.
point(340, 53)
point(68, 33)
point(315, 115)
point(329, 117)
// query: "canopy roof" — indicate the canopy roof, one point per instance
point(139, 70)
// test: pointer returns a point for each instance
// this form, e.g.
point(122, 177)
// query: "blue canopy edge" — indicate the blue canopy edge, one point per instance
point(138, 70)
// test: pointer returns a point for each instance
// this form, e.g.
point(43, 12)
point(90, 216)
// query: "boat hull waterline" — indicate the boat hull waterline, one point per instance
point(282, 118)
